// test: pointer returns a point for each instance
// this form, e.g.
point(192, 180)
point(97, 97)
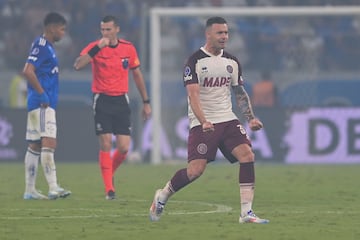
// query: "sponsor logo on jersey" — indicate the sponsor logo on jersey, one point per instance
point(216, 82)
point(229, 68)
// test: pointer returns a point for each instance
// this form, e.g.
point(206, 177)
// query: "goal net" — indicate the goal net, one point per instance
point(311, 53)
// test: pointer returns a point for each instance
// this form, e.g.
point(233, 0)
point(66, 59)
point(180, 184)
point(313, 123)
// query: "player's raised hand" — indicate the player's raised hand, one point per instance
point(104, 42)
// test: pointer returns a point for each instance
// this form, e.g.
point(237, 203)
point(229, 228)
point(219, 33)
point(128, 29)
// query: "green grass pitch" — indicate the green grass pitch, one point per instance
point(302, 202)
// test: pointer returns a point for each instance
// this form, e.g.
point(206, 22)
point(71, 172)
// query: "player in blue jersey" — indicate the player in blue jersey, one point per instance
point(42, 73)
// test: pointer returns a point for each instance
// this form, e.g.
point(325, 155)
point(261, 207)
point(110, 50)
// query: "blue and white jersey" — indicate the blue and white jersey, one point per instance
point(43, 57)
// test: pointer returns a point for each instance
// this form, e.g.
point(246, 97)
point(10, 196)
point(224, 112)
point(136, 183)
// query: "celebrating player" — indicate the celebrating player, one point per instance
point(209, 75)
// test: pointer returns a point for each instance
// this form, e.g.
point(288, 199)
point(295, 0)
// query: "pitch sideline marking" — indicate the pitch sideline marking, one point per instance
point(219, 208)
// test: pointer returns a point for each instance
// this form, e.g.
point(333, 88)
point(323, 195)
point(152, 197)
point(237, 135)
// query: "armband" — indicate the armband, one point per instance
point(93, 51)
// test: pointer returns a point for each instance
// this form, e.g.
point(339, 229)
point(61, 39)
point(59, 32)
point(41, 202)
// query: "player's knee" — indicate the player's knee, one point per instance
point(48, 142)
point(105, 147)
point(123, 149)
point(247, 156)
point(36, 147)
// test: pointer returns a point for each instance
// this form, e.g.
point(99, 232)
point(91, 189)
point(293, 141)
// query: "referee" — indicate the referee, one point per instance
point(111, 59)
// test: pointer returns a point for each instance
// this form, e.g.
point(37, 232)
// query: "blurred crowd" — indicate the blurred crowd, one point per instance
point(22, 20)
point(312, 44)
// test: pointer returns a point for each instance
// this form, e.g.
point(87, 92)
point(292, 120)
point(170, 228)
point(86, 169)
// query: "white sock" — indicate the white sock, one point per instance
point(48, 164)
point(246, 197)
point(166, 193)
point(31, 166)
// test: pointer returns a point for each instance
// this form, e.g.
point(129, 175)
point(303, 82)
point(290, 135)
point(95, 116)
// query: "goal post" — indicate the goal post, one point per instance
point(157, 13)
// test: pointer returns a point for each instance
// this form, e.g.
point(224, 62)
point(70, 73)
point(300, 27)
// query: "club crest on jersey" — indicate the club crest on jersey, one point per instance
point(187, 74)
point(229, 68)
point(125, 63)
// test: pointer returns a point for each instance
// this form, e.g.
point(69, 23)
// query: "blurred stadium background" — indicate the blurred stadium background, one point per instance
point(313, 63)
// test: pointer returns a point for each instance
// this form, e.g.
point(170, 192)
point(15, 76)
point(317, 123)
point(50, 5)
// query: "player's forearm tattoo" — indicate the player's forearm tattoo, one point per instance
point(243, 102)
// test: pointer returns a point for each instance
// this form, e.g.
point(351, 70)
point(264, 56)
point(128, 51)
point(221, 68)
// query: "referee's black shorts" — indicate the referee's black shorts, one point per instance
point(111, 114)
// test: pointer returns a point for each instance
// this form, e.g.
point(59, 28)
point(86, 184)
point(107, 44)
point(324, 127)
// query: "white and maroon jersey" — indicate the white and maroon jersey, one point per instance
point(215, 76)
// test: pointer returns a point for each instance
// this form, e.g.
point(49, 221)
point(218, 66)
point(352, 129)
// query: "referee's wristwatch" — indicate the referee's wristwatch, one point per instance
point(147, 101)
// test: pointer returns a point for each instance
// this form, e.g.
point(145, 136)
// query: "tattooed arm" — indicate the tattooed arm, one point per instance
point(244, 104)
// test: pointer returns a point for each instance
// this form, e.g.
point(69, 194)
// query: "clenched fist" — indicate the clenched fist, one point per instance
point(255, 124)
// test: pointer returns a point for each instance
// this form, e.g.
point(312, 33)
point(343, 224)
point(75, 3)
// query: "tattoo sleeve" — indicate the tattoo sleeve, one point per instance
point(243, 102)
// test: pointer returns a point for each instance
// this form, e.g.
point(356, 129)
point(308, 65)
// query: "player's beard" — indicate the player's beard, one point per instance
point(222, 45)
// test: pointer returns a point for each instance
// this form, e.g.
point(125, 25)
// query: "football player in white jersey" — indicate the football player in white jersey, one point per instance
point(210, 75)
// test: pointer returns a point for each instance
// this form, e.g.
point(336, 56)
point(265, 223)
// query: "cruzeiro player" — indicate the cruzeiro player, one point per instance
point(41, 71)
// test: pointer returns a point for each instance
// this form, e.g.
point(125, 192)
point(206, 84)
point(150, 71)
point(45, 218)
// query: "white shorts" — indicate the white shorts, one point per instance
point(41, 122)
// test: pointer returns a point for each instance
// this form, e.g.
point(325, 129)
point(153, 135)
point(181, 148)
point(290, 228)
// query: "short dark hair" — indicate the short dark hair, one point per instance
point(110, 18)
point(54, 18)
point(215, 20)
